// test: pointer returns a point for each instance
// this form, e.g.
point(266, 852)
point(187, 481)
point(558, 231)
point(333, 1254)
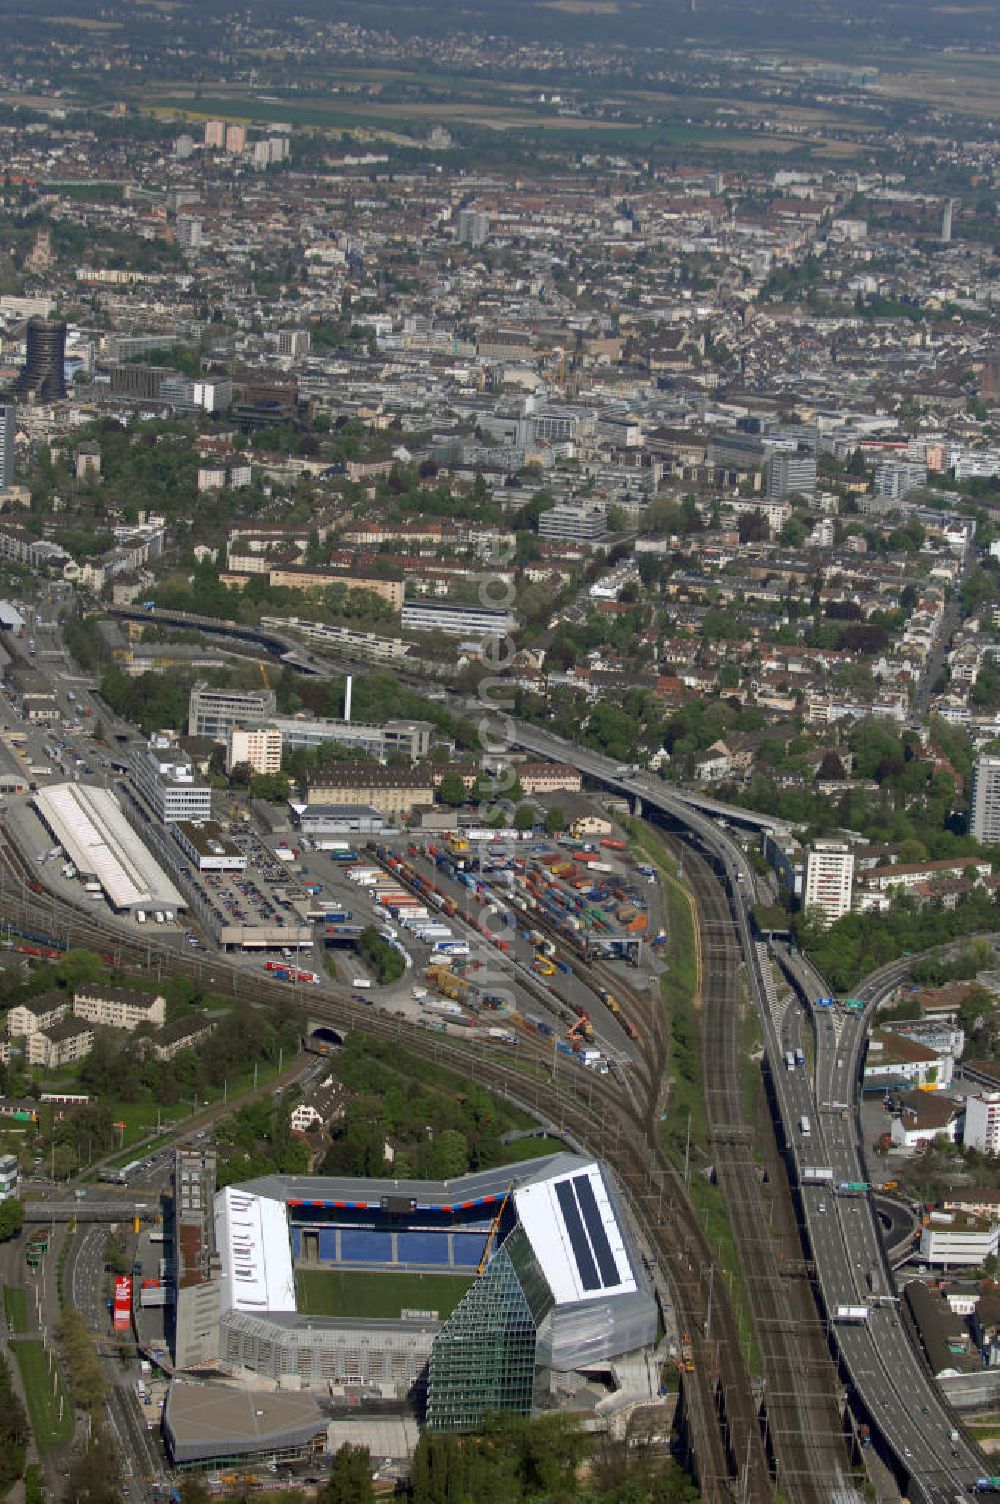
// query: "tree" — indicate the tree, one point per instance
point(555, 820)
point(451, 789)
point(92, 1474)
point(11, 1218)
point(350, 1480)
point(524, 817)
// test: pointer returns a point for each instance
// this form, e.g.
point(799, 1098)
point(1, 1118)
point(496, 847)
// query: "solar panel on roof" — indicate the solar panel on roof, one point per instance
point(586, 1268)
point(595, 1227)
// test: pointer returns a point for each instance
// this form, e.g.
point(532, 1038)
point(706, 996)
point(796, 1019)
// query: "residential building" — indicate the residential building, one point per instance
point(9, 1176)
point(260, 747)
point(456, 619)
point(984, 799)
point(119, 1007)
point(548, 777)
point(473, 226)
point(215, 133)
point(8, 429)
point(60, 1044)
point(214, 712)
point(36, 1013)
point(923, 1117)
point(392, 791)
point(182, 1034)
point(829, 879)
point(982, 1122)
point(166, 783)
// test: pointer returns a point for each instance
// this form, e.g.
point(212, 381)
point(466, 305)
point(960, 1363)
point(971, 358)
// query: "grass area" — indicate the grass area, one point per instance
point(530, 1148)
point(44, 1393)
point(15, 1308)
point(141, 1118)
point(371, 1296)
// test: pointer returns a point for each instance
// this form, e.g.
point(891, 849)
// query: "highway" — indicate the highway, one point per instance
point(891, 1384)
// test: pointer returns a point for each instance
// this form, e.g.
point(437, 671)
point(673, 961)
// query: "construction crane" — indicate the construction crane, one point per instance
point(263, 674)
point(494, 1229)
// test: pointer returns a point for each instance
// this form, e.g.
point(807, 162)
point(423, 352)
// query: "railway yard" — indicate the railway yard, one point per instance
point(537, 967)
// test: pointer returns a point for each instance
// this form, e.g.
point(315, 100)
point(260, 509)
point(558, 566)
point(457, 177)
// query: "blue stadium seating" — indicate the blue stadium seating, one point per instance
point(361, 1246)
point(328, 1245)
point(296, 1242)
point(422, 1248)
point(468, 1249)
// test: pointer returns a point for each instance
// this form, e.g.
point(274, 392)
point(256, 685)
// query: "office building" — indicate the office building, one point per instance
point(790, 475)
point(214, 712)
point(8, 430)
point(982, 1122)
point(43, 376)
point(165, 783)
point(259, 747)
point(575, 524)
point(829, 879)
point(951, 1240)
point(984, 818)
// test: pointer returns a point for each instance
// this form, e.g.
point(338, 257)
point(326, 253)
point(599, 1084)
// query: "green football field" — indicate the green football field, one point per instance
point(339, 1292)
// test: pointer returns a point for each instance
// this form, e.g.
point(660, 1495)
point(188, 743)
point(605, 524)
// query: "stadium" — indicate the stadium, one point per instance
point(459, 1297)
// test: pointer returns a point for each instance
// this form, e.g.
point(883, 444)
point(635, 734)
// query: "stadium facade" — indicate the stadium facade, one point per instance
point(553, 1284)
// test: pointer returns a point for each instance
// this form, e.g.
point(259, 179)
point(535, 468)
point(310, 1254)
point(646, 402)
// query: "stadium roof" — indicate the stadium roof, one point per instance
point(222, 1420)
point(574, 1232)
point(251, 1234)
point(465, 1190)
point(89, 825)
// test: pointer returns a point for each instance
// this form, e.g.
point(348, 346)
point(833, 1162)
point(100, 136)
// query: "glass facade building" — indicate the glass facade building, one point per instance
point(483, 1359)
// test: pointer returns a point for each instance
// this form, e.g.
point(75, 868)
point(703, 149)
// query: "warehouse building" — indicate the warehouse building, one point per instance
point(100, 843)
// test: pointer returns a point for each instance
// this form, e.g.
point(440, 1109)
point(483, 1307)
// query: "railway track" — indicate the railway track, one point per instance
point(803, 1427)
point(596, 1113)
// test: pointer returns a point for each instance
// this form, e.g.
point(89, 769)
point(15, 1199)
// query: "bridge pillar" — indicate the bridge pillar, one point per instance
point(637, 807)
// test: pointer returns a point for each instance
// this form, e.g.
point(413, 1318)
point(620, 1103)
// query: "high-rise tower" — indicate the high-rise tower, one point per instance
point(44, 367)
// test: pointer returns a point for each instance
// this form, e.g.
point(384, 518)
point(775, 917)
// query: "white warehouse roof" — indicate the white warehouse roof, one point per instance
point(572, 1228)
point(251, 1234)
point(89, 825)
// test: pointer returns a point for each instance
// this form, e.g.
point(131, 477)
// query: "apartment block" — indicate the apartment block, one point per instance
point(259, 747)
point(119, 1007)
point(829, 879)
point(984, 819)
